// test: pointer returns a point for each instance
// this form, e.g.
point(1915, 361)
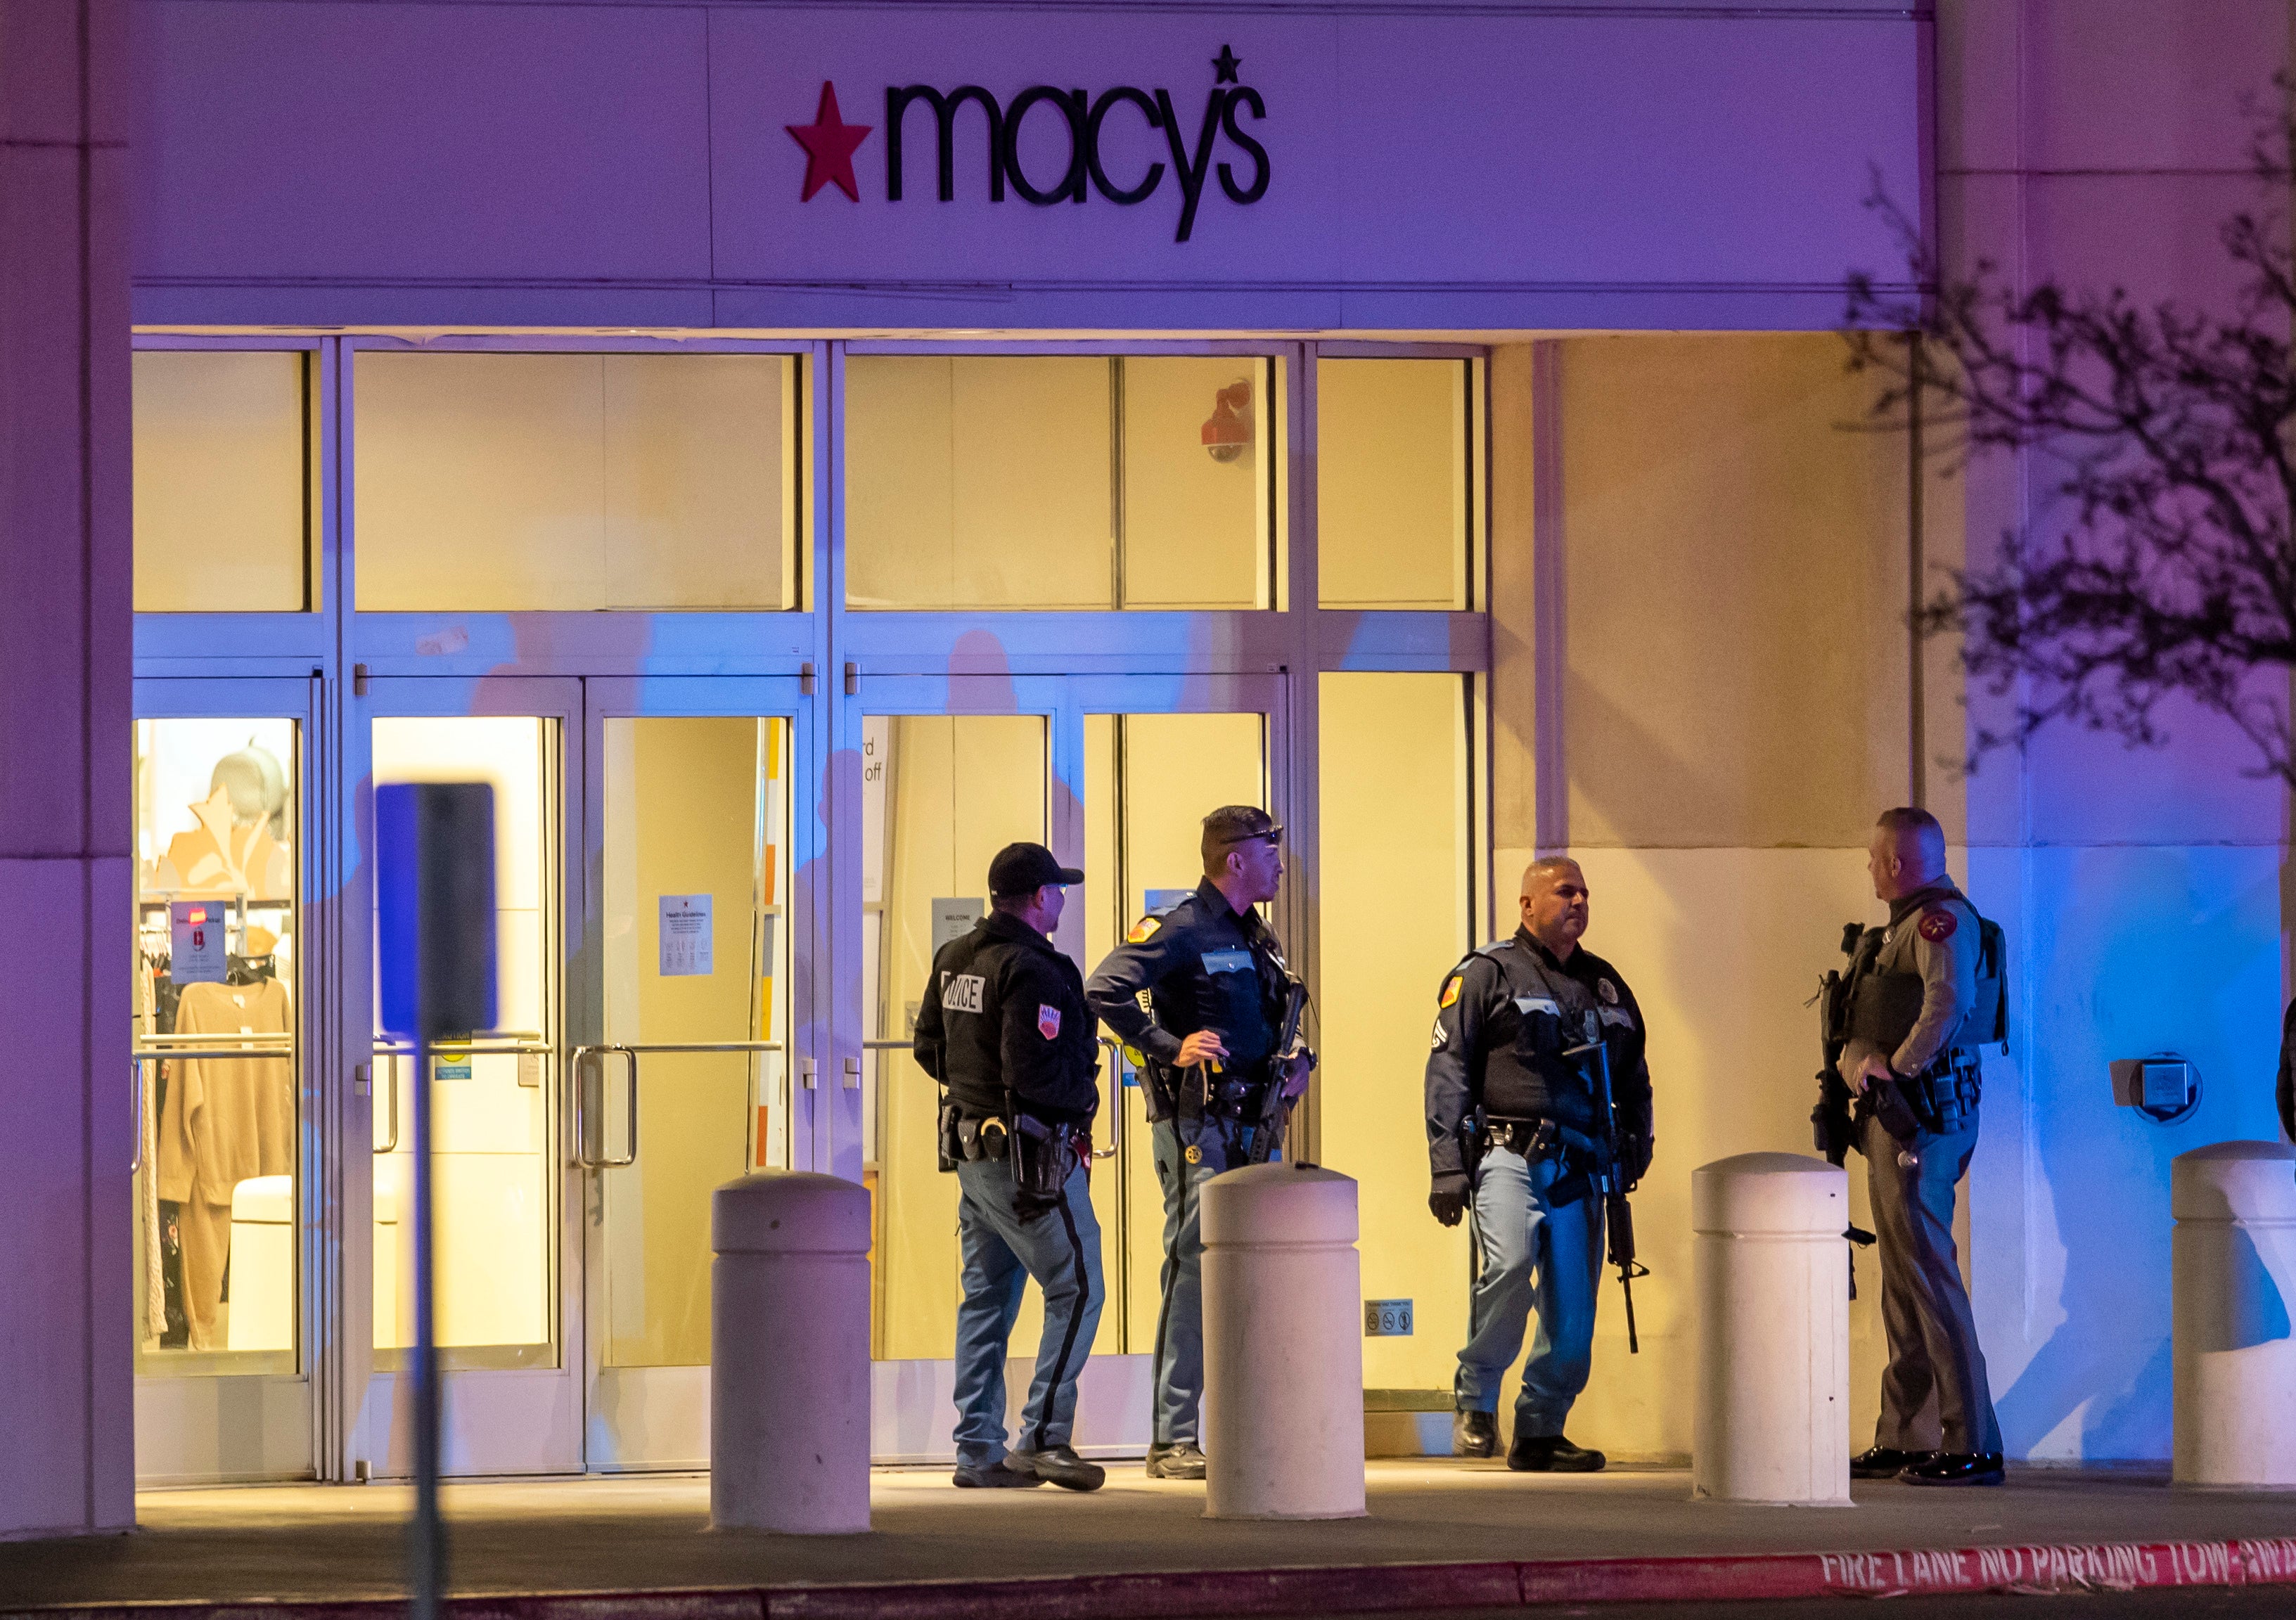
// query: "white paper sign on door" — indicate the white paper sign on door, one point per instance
point(953, 919)
point(196, 953)
point(684, 936)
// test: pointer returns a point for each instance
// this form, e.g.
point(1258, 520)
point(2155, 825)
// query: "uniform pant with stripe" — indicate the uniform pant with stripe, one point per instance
point(1534, 1255)
point(1188, 1152)
point(1059, 1248)
point(1934, 1392)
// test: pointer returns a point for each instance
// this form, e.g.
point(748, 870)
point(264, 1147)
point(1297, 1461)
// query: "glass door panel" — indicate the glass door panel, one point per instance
point(222, 1238)
point(696, 931)
point(507, 1280)
point(1150, 779)
point(492, 1118)
point(941, 795)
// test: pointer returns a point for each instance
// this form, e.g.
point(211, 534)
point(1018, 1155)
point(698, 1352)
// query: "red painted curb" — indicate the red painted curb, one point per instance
point(1357, 1589)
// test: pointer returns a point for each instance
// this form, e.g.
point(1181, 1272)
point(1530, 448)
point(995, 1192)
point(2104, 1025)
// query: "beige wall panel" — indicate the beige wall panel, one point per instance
point(1195, 529)
point(698, 453)
point(1396, 916)
point(478, 483)
point(1032, 454)
point(1391, 465)
point(900, 480)
point(1734, 637)
point(1722, 947)
point(220, 515)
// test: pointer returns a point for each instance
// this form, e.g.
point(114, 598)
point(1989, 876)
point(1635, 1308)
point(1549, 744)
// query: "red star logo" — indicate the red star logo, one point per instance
point(829, 142)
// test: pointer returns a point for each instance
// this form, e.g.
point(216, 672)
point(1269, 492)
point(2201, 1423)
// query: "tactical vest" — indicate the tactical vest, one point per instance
point(1883, 1008)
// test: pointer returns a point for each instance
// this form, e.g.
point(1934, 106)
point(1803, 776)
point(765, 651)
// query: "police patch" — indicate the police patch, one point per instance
point(1435, 1042)
point(1142, 929)
point(1938, 926)
point(1450, 992)
point(961, 991)
point(1608, 991)
point(1048, 1022)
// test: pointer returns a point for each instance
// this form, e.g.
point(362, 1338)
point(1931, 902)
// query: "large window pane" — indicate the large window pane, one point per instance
point(221, 504)
point(217, 1227)
point(1058, 481)
point(497, 481)
point(1393, 445)
point(1396, 880)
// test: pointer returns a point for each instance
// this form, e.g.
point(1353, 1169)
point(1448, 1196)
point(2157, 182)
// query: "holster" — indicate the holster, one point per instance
point(1044, 1157)
point(948, 1139)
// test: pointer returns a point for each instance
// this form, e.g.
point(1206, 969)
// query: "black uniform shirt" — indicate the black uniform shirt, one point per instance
point(1204, 966)
point(1503, 1020)
point(1005, 1007)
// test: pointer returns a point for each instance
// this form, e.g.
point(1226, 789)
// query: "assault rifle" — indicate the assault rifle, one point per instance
point(1618, 1214)
point(1274, 1106)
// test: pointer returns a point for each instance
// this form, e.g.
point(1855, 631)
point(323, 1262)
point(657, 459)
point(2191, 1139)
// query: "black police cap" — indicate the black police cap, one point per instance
point(1023, 869)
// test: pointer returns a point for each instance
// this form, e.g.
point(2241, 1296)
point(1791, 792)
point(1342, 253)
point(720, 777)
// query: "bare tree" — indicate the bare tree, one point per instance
point(2167, 569)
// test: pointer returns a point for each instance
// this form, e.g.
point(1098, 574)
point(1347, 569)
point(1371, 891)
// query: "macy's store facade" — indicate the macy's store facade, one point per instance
point(794, 452)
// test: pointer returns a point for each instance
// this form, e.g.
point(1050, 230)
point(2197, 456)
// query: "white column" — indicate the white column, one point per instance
point(1771, 1276)
point(2235, 1264)
point(789, 1354)
point(1283, 1418)
point(67, 1436)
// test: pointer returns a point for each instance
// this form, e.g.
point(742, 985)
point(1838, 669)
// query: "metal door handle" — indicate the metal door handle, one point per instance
point(1116, 1100)
point(584, 1057)
point(135, 1164)
point(392, 1063)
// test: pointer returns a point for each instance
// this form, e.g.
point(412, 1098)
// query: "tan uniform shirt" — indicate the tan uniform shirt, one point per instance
point(1933, 932)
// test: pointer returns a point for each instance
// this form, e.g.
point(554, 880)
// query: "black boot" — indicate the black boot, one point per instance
point(1955, 1469)
point(1552, 1454)
point(1884, 1463)
point(994, 1477)
point(1474, 1433)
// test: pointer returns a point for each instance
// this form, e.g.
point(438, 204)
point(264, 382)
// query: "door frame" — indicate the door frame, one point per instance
point(669, 1426)
point(494, 1420)
point(192, 1428)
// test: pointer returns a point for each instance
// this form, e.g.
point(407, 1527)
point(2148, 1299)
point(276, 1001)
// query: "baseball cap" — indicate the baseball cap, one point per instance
point(1238, 824)
point(1022, 869)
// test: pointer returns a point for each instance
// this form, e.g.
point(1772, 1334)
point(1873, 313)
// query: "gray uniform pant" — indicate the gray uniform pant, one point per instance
point(1059, 1248)
point(1534, 1255)
point(1179, 1361)
point(1934, 1394)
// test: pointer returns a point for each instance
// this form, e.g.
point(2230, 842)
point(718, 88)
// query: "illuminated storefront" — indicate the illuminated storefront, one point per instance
point(791, 453)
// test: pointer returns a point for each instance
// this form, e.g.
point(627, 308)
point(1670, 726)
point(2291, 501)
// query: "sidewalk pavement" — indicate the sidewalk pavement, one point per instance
point(649, 1535)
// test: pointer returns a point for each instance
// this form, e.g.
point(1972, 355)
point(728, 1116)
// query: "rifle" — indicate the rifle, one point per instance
point(1831, 1129)
point(1274, 1106)
point(1618, 1214)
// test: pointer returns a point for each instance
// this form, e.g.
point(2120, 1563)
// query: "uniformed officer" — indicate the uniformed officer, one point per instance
point(1004, 1028)
point(1916, 1012)
point(1222, 1061)
point(1514, 1140)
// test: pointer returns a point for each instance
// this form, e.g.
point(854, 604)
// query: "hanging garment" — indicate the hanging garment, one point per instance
point(225, 1120)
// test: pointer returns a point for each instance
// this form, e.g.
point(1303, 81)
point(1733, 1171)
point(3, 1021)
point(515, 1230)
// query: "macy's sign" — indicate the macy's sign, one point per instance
point(1111, 142)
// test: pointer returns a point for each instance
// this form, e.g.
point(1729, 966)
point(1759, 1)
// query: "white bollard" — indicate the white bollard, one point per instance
point(789, 1354)
point(1283, 1417)
point(2235, 1266)
point(1772, 1278)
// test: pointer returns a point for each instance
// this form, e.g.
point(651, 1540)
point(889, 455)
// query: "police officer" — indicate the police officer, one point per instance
point(1914, 1007)
point(1004, 1028)
point(1222, 1061)
point(1514, 1139)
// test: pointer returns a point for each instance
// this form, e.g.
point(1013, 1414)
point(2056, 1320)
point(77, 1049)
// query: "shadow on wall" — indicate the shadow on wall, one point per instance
point(2144, 949)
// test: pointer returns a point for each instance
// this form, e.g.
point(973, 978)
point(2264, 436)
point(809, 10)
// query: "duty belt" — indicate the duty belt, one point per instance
point(1228, 1096)
point(1946, 1091)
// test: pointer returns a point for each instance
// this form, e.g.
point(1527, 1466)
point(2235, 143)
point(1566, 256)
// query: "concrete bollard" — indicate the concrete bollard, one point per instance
point(2234, 1290)
point(789, 1354)
point(1772, 1282)
point(1283, 1418)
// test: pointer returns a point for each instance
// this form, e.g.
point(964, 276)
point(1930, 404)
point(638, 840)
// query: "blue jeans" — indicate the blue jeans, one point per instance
point(1179, 1365)
point(1534, 1255)
point(1060, 1249)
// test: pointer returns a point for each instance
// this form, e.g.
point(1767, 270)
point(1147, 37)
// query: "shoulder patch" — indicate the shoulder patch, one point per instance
point(1142, 930)
point(1048, 1022)
point(1937, 925)
point(1451, 991)
point(1609, 992)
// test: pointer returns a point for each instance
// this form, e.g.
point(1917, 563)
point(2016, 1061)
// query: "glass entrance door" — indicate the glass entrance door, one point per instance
point(1113, 773)
point(508, 1246)
point(686, 1078)
point(228, 1193)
